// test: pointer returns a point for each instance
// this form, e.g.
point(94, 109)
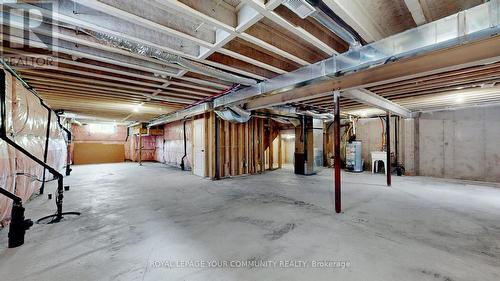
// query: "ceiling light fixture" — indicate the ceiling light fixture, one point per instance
point(137, 107)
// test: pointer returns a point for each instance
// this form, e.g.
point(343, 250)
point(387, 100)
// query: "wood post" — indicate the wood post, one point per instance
point(247, 148)
point(271, 146)
point(241, 143)
point(280, 152)
point(233, 147)
point(217, 148)
point(251, 145)
point(236, 149)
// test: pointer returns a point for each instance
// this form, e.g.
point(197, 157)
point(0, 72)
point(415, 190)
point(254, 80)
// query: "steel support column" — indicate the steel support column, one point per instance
point(336, 151)
point(388, 145)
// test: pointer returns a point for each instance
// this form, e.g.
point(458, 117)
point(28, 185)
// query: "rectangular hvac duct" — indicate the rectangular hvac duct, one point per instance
point(437, 35)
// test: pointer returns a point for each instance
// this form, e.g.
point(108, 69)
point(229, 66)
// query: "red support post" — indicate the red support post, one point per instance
point(336, 151)
point(388, 145)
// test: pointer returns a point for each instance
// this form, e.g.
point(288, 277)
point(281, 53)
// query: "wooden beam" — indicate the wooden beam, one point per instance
point(372, 99)
point(272, 48)
point(251, 60)
point(416, 11)
point(54, 84)
point(241, 65)
point(320, 33)
point(220, 63)
point(293, 29)
point(247, 49)
point(270, 33)
point(214, 19)
point(83, 80)
point(65, 70)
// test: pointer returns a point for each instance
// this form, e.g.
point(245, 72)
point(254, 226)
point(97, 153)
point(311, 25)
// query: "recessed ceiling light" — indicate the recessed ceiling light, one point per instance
point(459, 99)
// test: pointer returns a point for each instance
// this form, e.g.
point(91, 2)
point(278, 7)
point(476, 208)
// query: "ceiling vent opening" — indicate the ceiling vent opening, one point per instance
point(300, 7)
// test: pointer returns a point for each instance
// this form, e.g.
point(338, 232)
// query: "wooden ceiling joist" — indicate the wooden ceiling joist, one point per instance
point(250, 38)
point(269, 32)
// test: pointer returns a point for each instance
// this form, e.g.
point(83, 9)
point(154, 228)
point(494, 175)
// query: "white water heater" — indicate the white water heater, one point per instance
point(354, 156)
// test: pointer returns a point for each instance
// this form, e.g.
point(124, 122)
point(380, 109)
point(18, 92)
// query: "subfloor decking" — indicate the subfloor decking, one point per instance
point(138, 221)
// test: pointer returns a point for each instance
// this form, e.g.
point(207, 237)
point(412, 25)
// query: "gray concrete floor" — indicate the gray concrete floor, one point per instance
point(141, 223)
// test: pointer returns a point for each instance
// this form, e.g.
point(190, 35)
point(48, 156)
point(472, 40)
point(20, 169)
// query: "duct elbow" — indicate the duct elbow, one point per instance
point(319, 11)
point(234, 114)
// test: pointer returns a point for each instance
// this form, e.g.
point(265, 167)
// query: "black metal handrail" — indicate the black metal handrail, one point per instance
point(19, 225)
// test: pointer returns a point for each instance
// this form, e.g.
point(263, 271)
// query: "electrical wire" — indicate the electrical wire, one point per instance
point(34, 177)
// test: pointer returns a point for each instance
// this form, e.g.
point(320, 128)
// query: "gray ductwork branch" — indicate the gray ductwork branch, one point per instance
point(324, 116)
point(169, 58)
point(319, 11)
point(334, 23)
point(333, 26)
point(234, 114)
point(182, 114)
point(284, 110)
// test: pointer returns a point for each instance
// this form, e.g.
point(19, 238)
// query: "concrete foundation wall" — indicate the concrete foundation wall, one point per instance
point(461, 144)
point(409, 145)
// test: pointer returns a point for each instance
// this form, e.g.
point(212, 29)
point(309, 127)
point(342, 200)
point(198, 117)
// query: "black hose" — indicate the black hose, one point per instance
point(183, 166)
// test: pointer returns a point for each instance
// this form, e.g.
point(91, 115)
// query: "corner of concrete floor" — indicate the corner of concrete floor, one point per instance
point(135, 219)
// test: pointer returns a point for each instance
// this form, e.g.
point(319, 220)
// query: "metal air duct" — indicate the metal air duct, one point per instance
point(183, 63)
point(234, 114)
point(319, 11)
